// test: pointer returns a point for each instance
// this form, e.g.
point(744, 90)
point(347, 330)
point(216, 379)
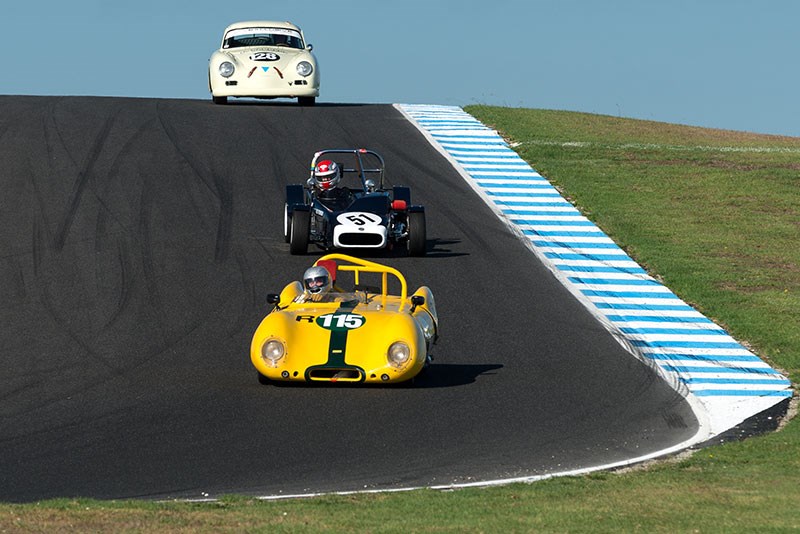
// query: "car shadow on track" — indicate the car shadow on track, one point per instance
point(435, 376)
point(445, 375)
point(440, 248)
point(436, 248)
point(268, 102)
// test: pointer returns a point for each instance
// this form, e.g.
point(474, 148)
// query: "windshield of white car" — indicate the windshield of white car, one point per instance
point(262, 37)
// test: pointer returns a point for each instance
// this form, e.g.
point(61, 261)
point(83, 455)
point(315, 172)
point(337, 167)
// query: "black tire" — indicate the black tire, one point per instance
point(263, 380)
point(298, 233)
point(306, 100)
point(287, 222)
point(417, 238)
point(220, 99)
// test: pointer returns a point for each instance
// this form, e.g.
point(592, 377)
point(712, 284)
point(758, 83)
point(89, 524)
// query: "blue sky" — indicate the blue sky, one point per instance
point(714, 63)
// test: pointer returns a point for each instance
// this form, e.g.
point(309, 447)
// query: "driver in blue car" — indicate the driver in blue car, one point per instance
point(327, 175)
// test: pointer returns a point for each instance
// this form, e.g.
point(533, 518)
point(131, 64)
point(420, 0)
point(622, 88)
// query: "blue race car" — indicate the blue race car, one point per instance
point(344, 205)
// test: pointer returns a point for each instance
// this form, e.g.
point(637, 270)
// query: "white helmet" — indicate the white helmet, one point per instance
point(327, 174)
point(317, 280)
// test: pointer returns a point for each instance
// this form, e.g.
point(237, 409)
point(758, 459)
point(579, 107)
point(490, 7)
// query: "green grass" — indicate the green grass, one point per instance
point(714, 214)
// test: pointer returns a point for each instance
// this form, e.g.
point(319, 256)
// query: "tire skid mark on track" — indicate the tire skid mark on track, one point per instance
point(81, 181)
point(125, 285)
point(90, 178)
point(171, 334)
point(225, 222)
point(237, 325)
point(214, 181)
point(124, 259)
point(41, 252)
point(103, 187)
point(147, 256)
point(41, 205)
point(278, 161)
point(64, 325)
point(54, 261)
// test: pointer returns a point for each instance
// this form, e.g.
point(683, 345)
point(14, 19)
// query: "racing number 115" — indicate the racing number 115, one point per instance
point(344, 320)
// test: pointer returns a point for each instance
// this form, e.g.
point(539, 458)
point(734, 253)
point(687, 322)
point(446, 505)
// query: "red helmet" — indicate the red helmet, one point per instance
point(327, 174)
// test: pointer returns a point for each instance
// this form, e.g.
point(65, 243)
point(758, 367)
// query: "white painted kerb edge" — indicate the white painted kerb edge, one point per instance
point(723, 381)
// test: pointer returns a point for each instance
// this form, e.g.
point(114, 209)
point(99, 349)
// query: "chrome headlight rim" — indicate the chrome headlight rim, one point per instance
point(398, 354)
point(305, 69)
point(226, 69)
point(273, 350)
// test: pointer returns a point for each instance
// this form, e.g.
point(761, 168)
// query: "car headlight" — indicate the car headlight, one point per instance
point(226, 69)
point(272, 351)
point(304, 68)
point(398, 353)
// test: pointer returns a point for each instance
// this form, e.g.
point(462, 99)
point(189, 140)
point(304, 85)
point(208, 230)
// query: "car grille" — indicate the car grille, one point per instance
point(335, 375)
point(360, 240)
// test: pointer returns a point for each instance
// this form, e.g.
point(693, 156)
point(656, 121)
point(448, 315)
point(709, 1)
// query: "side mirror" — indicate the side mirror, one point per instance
point(310, 47)
point(416, 300)
point(273, 298)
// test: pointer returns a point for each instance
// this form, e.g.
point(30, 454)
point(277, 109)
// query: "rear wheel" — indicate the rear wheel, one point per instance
point(220, 99)
point(417, 238)
point(298, 233)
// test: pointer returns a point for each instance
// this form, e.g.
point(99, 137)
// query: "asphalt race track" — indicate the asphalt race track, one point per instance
point(138, 241)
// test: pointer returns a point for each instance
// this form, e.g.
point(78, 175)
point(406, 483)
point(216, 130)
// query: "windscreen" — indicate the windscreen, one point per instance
point(262, 37)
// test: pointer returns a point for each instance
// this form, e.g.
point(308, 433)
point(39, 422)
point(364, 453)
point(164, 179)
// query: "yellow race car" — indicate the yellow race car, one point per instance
point(320, 332)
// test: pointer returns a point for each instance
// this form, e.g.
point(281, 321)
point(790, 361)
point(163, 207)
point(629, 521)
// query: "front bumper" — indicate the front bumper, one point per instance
point(252, 89)
point(346, 236)
point(264, 82)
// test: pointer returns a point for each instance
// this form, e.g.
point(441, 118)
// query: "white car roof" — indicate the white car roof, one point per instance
point(262, 24)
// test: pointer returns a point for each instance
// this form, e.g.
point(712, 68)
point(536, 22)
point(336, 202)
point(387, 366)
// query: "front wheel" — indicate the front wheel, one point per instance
point(263, 380)
point(298, 233)
point(287, 222)
point(220, 99)
point(306, 100)
point(417, 238)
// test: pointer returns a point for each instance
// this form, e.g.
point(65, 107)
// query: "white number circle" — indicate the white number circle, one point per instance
point(359, 218)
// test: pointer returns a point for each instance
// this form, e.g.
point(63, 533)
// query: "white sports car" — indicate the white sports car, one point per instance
point(263, 59)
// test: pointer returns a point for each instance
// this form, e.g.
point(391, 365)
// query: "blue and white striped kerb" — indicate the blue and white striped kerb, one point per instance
point(692, 352)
